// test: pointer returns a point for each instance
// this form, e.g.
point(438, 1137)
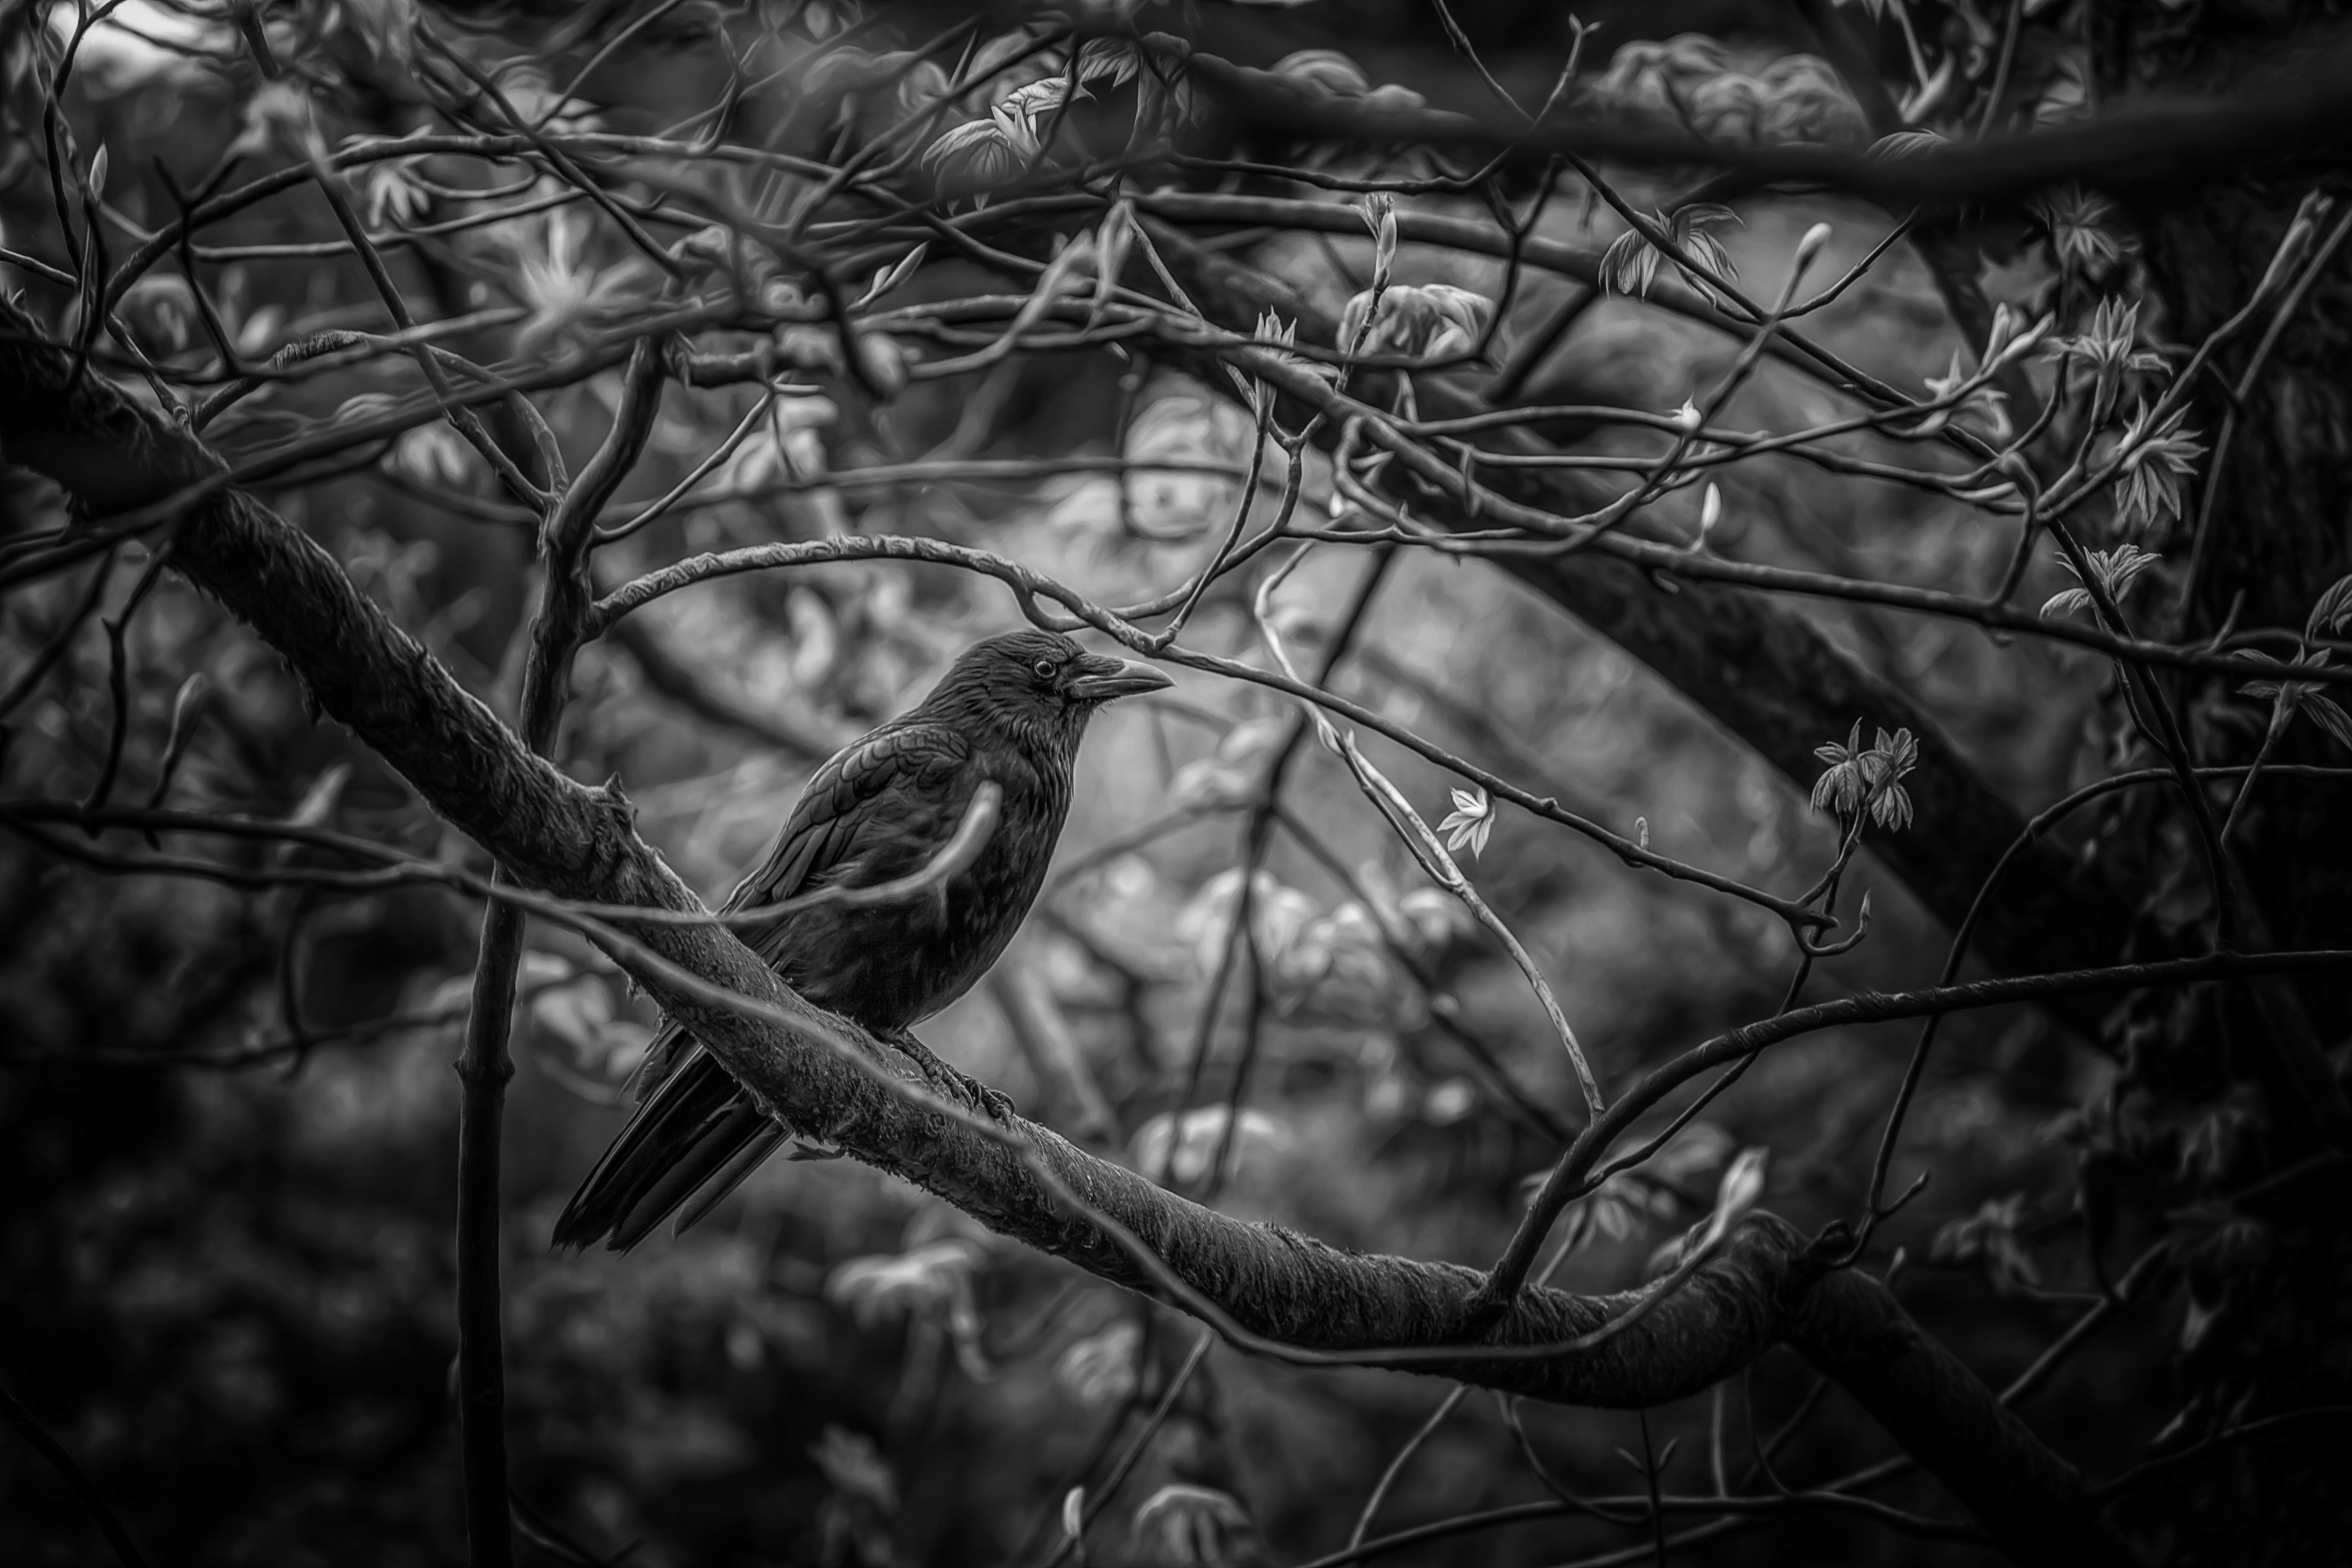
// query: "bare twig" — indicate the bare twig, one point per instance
point(93, 1502)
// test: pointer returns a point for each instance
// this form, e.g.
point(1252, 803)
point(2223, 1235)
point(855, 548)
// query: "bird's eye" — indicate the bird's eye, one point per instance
point(1045, 668)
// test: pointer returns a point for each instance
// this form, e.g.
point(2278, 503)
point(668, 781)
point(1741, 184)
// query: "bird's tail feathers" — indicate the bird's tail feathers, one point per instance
point(698, 1132)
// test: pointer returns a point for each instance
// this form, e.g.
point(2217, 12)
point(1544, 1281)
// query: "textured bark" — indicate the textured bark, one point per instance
point(2296, 121)
point(554, 835)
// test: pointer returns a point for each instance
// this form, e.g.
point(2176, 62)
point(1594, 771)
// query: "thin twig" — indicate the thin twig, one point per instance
point(77, 1479)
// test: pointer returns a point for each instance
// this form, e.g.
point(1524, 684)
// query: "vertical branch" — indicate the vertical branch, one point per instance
point(118, 682)
point(485, 1065)
point(483, 1068)
point(41, 663)
point(1256, 839)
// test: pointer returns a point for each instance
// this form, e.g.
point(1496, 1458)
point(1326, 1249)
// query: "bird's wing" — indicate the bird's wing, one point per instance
point(836, 829)
point(696, 1130)
point(842, 823)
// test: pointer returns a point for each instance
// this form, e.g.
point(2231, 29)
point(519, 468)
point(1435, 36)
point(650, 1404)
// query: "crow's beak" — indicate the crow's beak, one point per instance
point(1102, 678)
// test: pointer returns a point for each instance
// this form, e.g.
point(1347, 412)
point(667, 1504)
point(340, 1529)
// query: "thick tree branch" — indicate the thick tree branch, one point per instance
point(2288, 113)
point(552, 834)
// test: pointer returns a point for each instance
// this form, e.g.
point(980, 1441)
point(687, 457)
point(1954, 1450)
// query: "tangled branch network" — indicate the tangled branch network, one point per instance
point(1360, 291)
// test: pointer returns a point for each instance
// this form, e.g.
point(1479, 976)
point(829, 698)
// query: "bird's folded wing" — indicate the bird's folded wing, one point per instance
point(831, 839)
point(844, 815)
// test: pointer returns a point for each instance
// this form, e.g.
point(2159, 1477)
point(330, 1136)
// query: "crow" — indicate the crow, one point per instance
point(1009, 711)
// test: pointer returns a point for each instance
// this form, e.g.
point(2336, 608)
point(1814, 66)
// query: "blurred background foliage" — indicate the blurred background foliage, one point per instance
point(226, 1118)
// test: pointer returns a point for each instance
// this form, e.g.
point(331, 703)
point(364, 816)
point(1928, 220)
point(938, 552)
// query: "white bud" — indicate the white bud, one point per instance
point(1073, 1512)
point(2017, 347)
point(885, 278)
point(1112, 239)
point(1380, 216)
point(1710, 511)
point(98, 174)
point(2004, 327)
point(1809, 248)
point(1743, 1183)
point(883, 364)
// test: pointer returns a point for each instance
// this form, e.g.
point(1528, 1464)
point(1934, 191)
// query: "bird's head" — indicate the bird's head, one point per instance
point(1040, 684)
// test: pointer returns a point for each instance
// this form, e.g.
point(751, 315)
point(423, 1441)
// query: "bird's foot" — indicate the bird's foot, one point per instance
point(996, 1104)
point(957, 1086)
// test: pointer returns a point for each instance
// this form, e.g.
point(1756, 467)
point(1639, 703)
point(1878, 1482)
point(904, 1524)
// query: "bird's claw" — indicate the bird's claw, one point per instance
point(956, 1085)
point(993, 1103)
point(997, 1104)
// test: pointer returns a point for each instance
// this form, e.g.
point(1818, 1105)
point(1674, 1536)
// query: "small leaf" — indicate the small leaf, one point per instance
point(2081, 237)
point(854, 1463)
point(1742, 1184)
point(1379, 213)
point(1112, 57)
point(982, 146)
point(2112, 569)
point(318, 804)
point(2156, 456)
point(1326, 70)
point(1840, 792)
point(1471, 821)
point(1904, 144)
point(2331, 718)
point(1112, 241)
point(1424, 321)
point(2328, 616)
point(888, 278)
point(2066, 601)
point(1192, 1524)
point(1631, 263)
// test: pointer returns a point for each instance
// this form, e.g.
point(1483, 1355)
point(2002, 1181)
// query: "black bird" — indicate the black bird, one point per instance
point(1010, 711)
